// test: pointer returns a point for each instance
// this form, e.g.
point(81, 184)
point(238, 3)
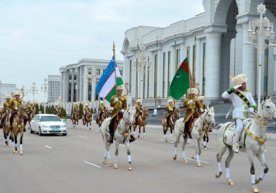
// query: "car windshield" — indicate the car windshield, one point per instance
point(49, 118)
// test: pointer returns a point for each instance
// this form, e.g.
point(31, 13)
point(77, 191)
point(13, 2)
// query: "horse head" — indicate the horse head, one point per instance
point(268, 110)
point(128, 116)
point(210, 116)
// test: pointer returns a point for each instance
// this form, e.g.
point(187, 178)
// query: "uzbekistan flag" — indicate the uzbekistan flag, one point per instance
point(110, 78)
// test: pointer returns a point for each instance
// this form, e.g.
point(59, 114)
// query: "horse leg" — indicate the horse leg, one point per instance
point(107, 157)
point(5, 137)
point(165, 129)
point(219, 156)
point(198, 151)
point(185, 140)
point(227, 166)
point(175, 146)
point(21, 144)
point(128, 156)
point(15, 144)
point(115, 164)
point(144, 132)
point(252, 172)
point(261, 157)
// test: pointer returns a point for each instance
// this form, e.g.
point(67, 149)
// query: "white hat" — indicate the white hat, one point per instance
point(120, 87)
point(101, 102)
point(239, 79)
point(17, 93)
point(138, 101)
point(170, 100)
point(192, 91)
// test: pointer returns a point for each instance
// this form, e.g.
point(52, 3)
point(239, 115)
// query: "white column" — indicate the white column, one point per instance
point(72, 85)
point(85, 84)
point(159, 74)
point(213, 45)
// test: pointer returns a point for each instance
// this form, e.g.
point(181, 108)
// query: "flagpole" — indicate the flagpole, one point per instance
point(113, 50)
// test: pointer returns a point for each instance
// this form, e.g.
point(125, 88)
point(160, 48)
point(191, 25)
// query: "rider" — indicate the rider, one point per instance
point(138, 108)
point(16, 103)
point(6, 109)
point(57, 110)
point(201, 99)
point(192, 105)
point(119, 104)
point(86, 110)
point(242, 102)
point(170, 108)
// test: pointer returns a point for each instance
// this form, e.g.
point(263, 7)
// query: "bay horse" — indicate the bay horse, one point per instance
point(75, 118)
point(7, 129)
point(141, 121)
point(121, 136)
point(101, 117)
point(18, 128)
point(253, 138)
point(166, 125)
point(198, 128)
point(87, 119)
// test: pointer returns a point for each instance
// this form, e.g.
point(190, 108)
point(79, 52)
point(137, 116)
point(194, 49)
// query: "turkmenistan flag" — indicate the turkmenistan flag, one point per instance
point(181, 81)
point(110, 78)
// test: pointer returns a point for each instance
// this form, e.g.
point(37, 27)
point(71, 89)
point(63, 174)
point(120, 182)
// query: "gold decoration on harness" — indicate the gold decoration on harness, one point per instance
point(260, 140)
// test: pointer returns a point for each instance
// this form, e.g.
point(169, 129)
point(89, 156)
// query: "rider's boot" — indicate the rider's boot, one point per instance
point(111, 129)
point(132, 138)
point(236, 145)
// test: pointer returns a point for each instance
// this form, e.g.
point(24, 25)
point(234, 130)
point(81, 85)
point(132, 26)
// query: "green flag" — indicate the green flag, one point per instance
point(181, 81)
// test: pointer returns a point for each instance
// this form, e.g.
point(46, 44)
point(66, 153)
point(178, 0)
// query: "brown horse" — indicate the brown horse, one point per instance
point(169, 124)
point(75, 118)
point(101, 117)
point(18, 128)
point(87, 119)
point(7, 128)
point(141, 121)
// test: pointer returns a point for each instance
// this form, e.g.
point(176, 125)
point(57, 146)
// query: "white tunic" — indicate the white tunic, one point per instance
point(240, 107)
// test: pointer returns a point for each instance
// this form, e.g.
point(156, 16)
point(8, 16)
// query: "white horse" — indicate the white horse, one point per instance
point(205, 121)
point(121, 136)
point(252, 141)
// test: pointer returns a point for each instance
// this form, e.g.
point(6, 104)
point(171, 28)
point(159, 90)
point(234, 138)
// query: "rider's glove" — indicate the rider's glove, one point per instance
point(190, 102)
point(232, 89)
point(115, 100)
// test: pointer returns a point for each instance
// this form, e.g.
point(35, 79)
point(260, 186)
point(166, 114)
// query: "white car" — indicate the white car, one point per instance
point(48, 124)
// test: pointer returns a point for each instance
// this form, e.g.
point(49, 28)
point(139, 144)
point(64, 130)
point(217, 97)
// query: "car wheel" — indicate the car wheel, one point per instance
point(40, 133)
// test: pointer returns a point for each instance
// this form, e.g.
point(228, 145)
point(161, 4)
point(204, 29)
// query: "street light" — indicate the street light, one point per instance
point(259, 31)
point(44, 89)
point(33, 90)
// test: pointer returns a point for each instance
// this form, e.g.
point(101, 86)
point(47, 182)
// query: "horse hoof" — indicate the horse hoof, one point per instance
point(129, 168)
point(15, 152)
point(218, 174)
point(255, 190)
point(174, 157)
point(185, 161)
point(21, 153)
point(199, 165)
point(230, 182)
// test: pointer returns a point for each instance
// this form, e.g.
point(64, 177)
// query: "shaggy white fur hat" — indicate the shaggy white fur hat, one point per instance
point(170, 100)
point(192, 91)
point(239, 79)
point(139, 101)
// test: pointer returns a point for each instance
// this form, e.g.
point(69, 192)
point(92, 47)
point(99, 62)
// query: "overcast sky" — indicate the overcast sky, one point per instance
point(37, 37)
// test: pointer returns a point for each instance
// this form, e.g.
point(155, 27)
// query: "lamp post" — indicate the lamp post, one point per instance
point(33, 90)
point(259, 31)
point(44, 89)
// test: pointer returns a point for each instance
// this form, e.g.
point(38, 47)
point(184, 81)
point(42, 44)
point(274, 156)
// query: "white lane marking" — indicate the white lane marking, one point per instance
point(192, 159)
point(49, 147)
point(87, 162)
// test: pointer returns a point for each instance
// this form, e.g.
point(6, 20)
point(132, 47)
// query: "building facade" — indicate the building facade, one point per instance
point(78, 81)
point(214, 42)
point(54, 88)
point(5, 90)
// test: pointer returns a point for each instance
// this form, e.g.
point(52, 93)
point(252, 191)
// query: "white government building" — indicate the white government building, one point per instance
point(78, 81)
point(215, 43)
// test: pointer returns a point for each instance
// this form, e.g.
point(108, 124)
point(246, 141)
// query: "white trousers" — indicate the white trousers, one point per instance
point(239, 127)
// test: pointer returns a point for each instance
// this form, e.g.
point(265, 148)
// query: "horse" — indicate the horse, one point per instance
point(121, 136)
point(253, 138)
point(7, 129)
point(172, 118)
point(18, 128)
point(141, 121)
point(101, 117)
point(87, 119)
point(75, 118)
point(199, 127)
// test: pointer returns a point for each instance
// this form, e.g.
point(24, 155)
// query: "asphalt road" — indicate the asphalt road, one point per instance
point(73, 164)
